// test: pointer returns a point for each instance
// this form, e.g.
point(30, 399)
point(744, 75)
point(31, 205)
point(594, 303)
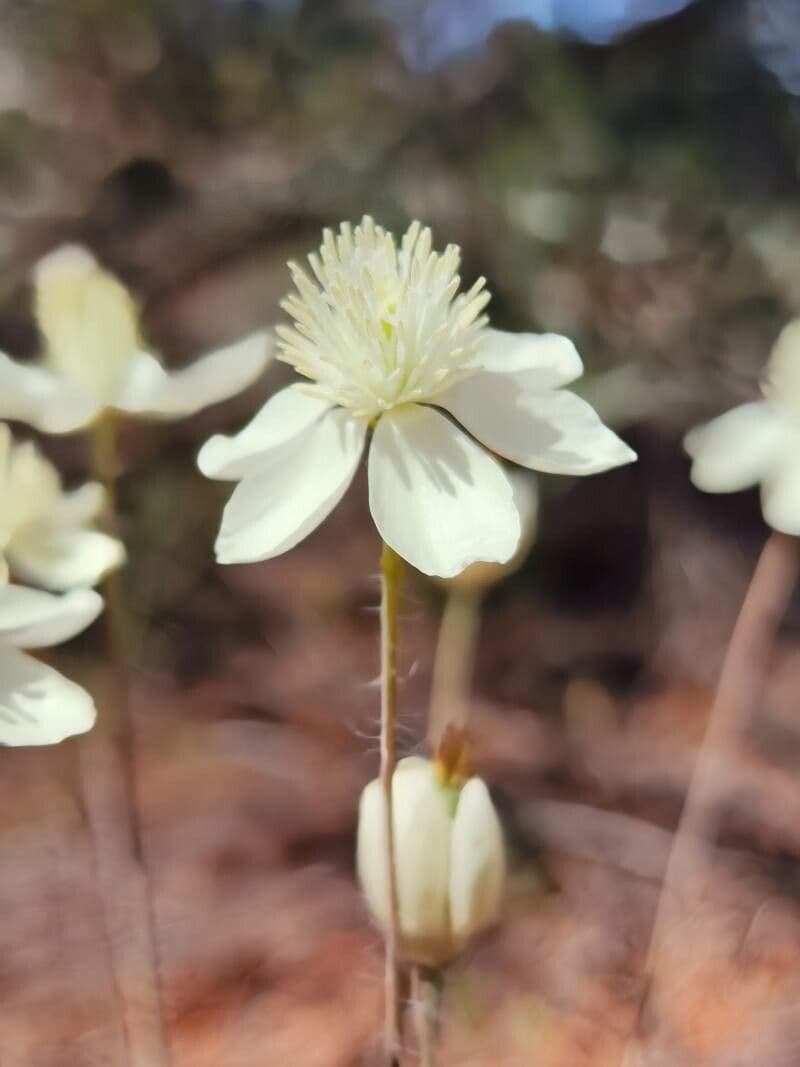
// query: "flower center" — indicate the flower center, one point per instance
point(88, 321)
point(377, 325)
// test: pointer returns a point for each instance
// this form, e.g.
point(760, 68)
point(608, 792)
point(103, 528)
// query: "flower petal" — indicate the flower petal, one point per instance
point(538, 361)
point(30, 618)
point(780, 494)
point(437, 498)
point(297, 485)
point(60, 558)
point(80, 506)
point(554, 431)
point(285, 415)
point(735, 450)
point(153, 391)
point(34, 395)
point(477, 862)
point(39, 706)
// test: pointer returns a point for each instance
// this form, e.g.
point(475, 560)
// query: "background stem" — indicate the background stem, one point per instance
point(763, 607)
point(391, 574)
point(107, 765)
point(453, 663)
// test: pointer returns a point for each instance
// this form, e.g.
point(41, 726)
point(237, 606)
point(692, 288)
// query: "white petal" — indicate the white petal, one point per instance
point(39, 706)
point(554, 431)
point(284, 416)
point(297, 485)
point(477, 862)
point(538, 361)
point(151, 390)
point(30, 618)
point(43, 400)
point(422, 857)
point(60, 558)
point(734, 451)
point(780, 493)
point(438, 499)
point(80, 506)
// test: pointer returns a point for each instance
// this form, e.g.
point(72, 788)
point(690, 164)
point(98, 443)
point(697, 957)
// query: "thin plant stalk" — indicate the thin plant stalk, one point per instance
point(109, 785)
point(426, 993)
point(453, 662)
point(764, 605)
point(391, 576)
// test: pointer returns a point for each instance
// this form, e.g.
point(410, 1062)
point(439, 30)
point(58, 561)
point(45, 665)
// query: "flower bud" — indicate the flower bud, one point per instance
point(449, 856)
point(88, 321)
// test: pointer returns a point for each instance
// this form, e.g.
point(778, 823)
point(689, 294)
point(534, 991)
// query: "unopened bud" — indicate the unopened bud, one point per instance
point(449, 857)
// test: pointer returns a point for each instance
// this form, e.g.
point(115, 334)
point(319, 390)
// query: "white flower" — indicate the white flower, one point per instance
point(759, 442)
point(45, 537)
point(38, 706)
point(449, 857)
point(93, 359)
point(388, 344)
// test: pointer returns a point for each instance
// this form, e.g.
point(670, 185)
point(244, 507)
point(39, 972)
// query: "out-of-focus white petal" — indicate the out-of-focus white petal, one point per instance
point(780, 493)
point(59, 557)
point(80, 506)
point(735, 450)
point(297, 485)
point(151, 390)
point(554, 431)
point(30, 618)
point(39, 706)
point(538, 361)
point(477, 862)
point(42, 399)
point(438, 499)
point(285, 415)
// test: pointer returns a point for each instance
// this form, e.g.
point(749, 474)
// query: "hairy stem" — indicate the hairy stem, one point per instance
point(452, 667)
point(107, 761)
point(391, 575)
point(743, 668)
point(426, 996)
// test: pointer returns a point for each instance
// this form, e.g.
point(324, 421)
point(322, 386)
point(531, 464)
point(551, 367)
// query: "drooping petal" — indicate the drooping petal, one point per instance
point(538, 361)
point(42, 399)
point(285, 415)
point(39, 706)
point(422, 858)
point(735, 450)
point(439, 499)
point(477, 862)
point(780, 493)
point(553, 431)
point(297, 485)
point(151, 390)
point(60, 558)
point(30, 618)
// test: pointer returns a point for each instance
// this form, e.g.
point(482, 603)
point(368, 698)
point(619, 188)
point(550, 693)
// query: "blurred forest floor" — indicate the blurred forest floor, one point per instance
point(642, 199)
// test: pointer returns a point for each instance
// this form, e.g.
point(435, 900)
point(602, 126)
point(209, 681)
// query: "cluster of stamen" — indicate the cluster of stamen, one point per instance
point(379, 326)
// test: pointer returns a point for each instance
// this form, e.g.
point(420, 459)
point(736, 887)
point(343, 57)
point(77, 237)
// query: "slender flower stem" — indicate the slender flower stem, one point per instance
point(764, 605)
point(108, 773)
point(391, 576)
point(426, 995)
point(452, 667)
